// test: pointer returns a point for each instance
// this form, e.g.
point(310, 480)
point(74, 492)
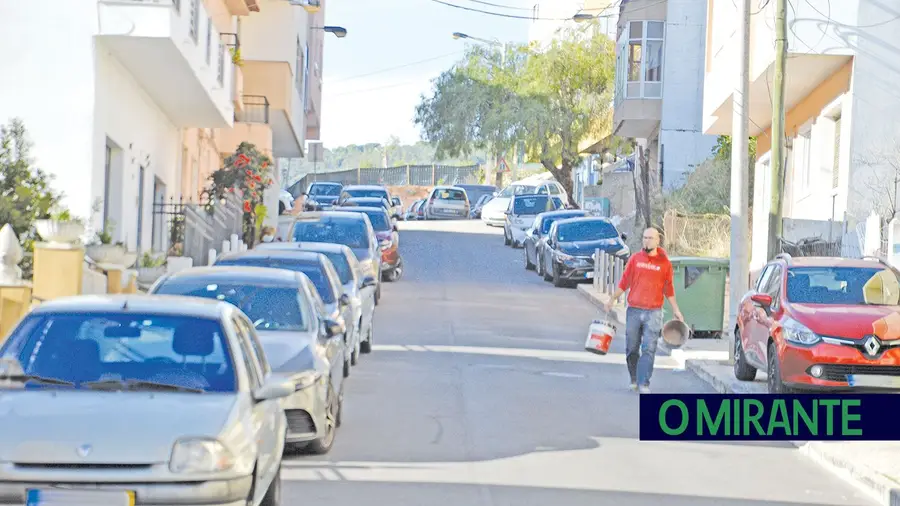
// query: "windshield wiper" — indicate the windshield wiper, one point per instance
point(134, 384)
point(38, 379)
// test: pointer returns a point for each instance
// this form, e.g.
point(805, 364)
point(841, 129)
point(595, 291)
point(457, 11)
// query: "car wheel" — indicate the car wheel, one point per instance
point(377, 294)
point(540, 265)
point(742, 370)
point(548, 275)
point(528, 265)
point(347, 366)
point(557, 280)
point(273, 494)
point(506, 239)
point(773, 375)
point(366, 346)
point(354, 357)
point(323, 444)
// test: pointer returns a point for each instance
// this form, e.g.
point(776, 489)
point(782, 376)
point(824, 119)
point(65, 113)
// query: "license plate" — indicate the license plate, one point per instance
point(589, 274)
point(873, 381)
point(71, 497)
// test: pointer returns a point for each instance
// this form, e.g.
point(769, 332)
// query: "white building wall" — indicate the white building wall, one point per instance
point(143, 135)
point(683, 146)
point(47, 80)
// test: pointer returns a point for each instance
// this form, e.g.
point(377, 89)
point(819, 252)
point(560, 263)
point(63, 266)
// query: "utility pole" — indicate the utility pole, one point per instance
point(778, 158)
point(739, 268)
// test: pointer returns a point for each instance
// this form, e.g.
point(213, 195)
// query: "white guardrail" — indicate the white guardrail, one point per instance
point(608, 270)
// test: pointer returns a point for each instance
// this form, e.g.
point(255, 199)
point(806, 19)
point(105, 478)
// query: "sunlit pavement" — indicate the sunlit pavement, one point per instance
point(478, 393)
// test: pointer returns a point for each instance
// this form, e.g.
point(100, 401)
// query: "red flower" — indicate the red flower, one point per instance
point(257, 177)
point(265, 164)
point(249, 173)
point(246, 206)
point(252, 185)
point(254, 195)
point(231, 190)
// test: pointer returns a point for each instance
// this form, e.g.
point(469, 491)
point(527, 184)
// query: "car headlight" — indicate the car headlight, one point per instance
point(306, 380)
point(796, 332)
point(200, 456)
point(562, 257)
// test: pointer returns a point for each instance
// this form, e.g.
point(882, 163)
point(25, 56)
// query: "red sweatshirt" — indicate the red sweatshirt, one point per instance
point(649, 278)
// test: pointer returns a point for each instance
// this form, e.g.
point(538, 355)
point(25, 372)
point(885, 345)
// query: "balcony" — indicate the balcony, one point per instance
point(255, 110)
point(251, 124)
point(639, 81)
point(275, 81)
point(172, 50)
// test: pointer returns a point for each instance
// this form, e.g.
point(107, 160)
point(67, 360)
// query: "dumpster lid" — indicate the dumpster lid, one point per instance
point(699, 262)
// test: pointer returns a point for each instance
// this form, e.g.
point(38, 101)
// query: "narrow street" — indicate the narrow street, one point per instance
point(478, 393)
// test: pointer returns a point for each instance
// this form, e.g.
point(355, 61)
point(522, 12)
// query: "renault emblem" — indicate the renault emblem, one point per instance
point(84, 450)
point(872, 345)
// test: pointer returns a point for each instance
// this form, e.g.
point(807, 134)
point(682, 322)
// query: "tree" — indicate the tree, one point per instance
point(25, 191)
point(552, 99)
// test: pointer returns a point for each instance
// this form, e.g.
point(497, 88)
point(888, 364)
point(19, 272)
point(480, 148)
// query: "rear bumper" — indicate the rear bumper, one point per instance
point(447, 214)
point(208, 493)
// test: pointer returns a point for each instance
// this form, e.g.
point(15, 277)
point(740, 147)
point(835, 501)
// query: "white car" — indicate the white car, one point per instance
point(285, 202)
point(494, 212)
point(447, 203)
point(170, 400)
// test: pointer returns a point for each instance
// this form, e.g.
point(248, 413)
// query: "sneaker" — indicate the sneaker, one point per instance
point(634, 387)
point(644, 389)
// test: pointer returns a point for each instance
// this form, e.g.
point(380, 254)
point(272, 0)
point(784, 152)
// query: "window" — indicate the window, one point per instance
point(258, 352)
point(209, 29)
point(298, 72)
point(221, 74)
point(843, 285)
point(802, 159)
point(253, 369)
point(836, 165)
point(306, 81)
point(642, 72)
point(195, 19)
point(554, 190)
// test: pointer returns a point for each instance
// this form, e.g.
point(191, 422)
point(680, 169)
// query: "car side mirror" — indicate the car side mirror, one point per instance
point(345, 299)
point(763, 299)
point(624, 237)
point(274, 388)
point(333, 328)
point(368, 281)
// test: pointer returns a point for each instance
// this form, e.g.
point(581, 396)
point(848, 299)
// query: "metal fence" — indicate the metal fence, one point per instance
point(608, 270)
point(186, 228)
point(403, 175)
point(811, 247)
point(255, 110)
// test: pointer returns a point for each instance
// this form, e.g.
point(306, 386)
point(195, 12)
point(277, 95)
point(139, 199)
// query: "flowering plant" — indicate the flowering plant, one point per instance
point(247, 173)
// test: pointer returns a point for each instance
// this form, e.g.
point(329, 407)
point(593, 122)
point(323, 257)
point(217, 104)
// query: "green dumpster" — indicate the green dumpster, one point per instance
point(700, 292)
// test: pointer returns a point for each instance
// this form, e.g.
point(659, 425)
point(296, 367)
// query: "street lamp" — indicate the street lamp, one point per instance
point(495, 42)
point(338, 31)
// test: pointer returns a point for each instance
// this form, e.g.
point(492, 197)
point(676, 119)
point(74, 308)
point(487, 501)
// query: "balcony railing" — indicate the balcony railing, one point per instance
point(256, 110)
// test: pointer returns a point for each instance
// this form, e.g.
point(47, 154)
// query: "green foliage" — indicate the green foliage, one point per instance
point(25, 191)
point(706, 191)
point(722, 149)
point(247, 173)
point(552, 99)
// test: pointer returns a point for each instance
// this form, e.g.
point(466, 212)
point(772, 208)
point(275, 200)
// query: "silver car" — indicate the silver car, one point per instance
point(135, 399)
point(447, 202)
point(298, 343)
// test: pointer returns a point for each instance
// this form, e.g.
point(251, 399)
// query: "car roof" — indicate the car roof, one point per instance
point(365, 187)
point(308, 256)
point(329, 216)
point(582, 219)
point(565, 212)
point(238, 273)
point(833, 262)
point(330, 183)
point(365, 199)
point(448, 187)
point(323, 247)
point(479, 186)
point(531, 195)
point(358, 209)
point(175, 305)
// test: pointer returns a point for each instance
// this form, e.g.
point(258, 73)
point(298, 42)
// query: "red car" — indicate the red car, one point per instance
point(816, 323)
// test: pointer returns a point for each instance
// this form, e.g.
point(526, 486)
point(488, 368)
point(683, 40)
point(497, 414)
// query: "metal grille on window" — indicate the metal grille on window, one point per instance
point(221, 63)
point(195, 19)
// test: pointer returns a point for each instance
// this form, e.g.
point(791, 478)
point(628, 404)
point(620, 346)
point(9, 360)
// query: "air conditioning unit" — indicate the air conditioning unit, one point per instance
point(311, 6)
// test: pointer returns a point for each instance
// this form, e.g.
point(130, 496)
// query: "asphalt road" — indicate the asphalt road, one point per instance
point(478, 393)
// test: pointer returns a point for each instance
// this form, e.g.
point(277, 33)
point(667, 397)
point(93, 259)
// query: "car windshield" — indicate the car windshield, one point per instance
point(268, 307)
point(548, 220)
point(450, 194)
point(359, 192)
point(179, 352)
point(350, 233)
point(312, 270)
point(843, 285)
point(586, 231)
point(517, 189)
point(330, 190)
point(532, 205)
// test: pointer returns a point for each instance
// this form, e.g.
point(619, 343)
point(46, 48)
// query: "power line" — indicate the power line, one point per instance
point(367, 90)
point(387, 69)
point(498, 14)
point(482, 2)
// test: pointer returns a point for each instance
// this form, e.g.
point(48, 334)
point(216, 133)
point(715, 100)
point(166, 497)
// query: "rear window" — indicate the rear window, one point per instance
point(349, 233)
point(843, 285)
point(331, 190)
point(379, 221)
point(455, 195)
point(313, 271)
point(367, 193)
point(532, 205)
point(586, 231)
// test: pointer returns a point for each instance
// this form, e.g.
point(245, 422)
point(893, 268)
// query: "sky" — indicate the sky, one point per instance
point(365, 102)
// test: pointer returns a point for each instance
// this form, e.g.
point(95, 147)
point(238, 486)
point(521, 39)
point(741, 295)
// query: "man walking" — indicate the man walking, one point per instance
point(648, 277)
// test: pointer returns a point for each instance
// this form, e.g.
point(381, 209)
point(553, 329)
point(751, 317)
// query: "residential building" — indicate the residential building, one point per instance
point(659, 84)
point(841, 105)
point(104, 88)
point(316, 47)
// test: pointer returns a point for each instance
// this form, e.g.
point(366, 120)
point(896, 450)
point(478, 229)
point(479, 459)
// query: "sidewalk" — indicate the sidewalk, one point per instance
point(872, 466)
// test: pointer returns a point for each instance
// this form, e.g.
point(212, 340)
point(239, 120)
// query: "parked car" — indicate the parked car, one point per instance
point(320, 270)
point(397, 207)
point(520, 214)
point(353, 230)
point(447, 202)
point(570, 246)
point(411, 211)
point(475, 213)
point(370, 202)
point(358, 286)
point(476, 191)
point(814, 323)
point(536, 236)
point(298, 343)
point(420, 210)
point(493, 213)
point(322, 195)
point(363, 190)
point(388, 240)
point(155, 397)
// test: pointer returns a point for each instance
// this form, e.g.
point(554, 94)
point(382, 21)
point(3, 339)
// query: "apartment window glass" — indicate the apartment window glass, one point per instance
point(836, 165)
point(221, 75)
point(645, 59)
point(195, 19)
point(306, 81)
point(209, 29)
point(298, 72)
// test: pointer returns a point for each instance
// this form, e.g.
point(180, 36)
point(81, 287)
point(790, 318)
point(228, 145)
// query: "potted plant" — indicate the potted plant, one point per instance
point(104, 251)
point(60, 228)
point(150, 268)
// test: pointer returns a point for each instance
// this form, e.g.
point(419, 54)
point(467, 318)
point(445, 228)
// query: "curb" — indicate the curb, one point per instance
point(882, 489)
